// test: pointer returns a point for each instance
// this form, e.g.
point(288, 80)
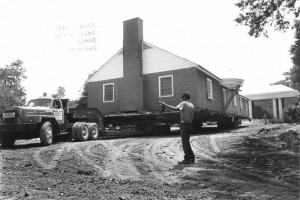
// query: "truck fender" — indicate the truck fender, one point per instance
point(53, 121)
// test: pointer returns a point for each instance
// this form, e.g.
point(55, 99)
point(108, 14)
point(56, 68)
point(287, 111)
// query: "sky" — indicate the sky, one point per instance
point(62, 41)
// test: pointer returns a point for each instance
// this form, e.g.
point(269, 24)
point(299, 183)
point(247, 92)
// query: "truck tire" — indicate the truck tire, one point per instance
point(46, 133)
point(93, 131)
point(82, 131)
point(7, 142)
point(74, 132)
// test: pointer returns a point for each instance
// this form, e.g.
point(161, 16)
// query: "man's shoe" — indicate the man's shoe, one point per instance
point(192, 160)
point(184, 162)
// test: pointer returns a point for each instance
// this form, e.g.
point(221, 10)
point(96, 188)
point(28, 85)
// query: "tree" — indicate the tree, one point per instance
point(295, 52)
point(292, 77)
point(282, 15)
point(11, 90)
point(82, 101)
point(258, 14)
point(60, 92)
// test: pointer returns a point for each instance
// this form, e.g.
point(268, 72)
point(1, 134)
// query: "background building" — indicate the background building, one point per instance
point(271, 100)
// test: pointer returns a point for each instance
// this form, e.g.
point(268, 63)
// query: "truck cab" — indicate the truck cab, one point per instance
point(49, 105)
point(48, 119)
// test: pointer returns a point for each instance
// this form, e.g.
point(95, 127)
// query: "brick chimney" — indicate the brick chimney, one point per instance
point(131, 93)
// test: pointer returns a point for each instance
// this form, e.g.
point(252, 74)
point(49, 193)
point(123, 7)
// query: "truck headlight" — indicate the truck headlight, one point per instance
point(31, 119)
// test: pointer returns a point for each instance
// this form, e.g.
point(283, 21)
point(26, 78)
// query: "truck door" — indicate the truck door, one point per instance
point(58, 111)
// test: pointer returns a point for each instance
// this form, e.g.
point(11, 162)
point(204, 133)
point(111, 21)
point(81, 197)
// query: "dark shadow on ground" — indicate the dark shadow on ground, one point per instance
point(270, 156)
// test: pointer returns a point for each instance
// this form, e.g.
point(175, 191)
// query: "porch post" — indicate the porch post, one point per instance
point(250, 109)
point(280, 108)
point(274, 108)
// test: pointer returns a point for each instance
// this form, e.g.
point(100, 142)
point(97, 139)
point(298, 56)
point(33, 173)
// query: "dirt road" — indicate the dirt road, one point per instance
point(245, 163)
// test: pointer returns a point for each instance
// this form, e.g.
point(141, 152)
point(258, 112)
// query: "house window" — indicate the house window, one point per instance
point(234, 100)
point(224, 96)
point(241, 103)
point(108, 92)
point(246, 104)
point(209, 88)
point(166, 86)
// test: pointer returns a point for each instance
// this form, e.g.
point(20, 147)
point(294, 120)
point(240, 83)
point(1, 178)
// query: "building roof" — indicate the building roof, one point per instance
point(273, 92)
point(155, 60)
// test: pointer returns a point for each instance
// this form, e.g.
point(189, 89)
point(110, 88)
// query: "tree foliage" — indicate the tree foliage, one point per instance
point(60, 93)
point(295, 52)
point(259, 14)
point(11, 90)
point(292, 77)
point(82, 101)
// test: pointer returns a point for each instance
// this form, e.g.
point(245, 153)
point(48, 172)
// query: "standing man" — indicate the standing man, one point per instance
point(186, 109)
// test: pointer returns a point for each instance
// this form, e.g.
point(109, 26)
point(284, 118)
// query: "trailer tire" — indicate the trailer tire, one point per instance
point(161, 129)
point(197, 127)
point(74, 132)
point(82, 131)
point(46, 133)
point(7, 142)
point(93, 131)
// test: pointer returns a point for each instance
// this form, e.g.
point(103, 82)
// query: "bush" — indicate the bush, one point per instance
point(276, 120)
point(291, 114)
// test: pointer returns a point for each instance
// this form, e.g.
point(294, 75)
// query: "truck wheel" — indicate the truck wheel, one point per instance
point(46, 134)
point(82, 131)
point(7, 142)
point(74, 132)
point(93, 131)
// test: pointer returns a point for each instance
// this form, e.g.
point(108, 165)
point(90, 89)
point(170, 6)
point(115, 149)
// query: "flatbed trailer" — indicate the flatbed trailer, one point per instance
point(156, 122)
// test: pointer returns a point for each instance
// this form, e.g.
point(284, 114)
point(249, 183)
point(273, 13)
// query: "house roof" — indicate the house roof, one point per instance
point(272, 92)
point(155, 60)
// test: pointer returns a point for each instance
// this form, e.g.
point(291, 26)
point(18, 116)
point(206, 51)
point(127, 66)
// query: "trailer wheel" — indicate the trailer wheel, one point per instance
point(161, 129)
point(197, 127)
point(7, 142)
point(93, 131)
point(74, 132)
point(82, 131)
point(46, 133)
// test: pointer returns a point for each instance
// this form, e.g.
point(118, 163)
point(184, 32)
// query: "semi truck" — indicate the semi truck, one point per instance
point(49, 119)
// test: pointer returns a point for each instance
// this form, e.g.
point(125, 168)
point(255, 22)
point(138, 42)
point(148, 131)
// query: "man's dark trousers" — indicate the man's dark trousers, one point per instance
point(185, 130)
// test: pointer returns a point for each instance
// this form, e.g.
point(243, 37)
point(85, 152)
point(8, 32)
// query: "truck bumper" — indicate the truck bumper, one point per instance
point(9, 128)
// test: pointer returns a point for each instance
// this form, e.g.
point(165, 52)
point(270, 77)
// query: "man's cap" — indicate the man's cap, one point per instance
point(186, 95)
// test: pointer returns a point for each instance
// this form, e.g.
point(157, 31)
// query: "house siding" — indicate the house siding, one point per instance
point(203, 102)
point(158, 60)
point(183, 80)
point(95, 96)
point(232, 108)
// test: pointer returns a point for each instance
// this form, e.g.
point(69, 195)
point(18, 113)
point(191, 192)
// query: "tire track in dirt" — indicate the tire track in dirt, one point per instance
point(127, 155)
point(160, 166)
point(102, 172)
point(1, 167)
point(118, 162)
point(202, 152)
point(213, 142)
point(52, 161)
point(1, 170)
point(65, 148)
point(251, 181)
point(2, 197)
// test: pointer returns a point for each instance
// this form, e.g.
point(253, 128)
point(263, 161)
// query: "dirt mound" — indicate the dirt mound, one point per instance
point(292, 140)
point(282, 137)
